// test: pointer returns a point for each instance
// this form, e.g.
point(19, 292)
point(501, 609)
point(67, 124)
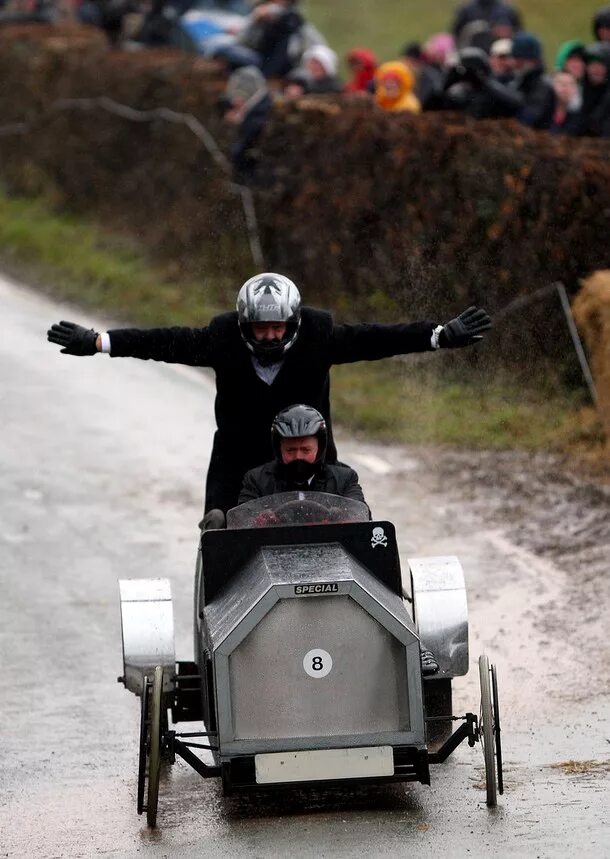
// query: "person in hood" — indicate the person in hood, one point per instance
point(595, 113)
point(268, 353)
point(571, 59)
point(299, 441)
point(247, 103)
point(394, 85)
point(316, 75)
point(601, 24)
point(362, 64)
point(484, 10)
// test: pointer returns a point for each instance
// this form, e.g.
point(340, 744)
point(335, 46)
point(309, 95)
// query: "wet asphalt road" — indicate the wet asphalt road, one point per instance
point(102, 465)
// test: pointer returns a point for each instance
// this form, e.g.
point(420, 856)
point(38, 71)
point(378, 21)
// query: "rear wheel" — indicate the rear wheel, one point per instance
point(486, 729)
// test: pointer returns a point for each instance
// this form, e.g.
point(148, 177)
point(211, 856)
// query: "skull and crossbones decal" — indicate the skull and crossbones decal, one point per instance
point(379, 538)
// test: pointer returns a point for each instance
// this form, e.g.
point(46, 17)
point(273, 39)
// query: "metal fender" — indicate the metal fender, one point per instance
point(440, 612)
point(147, 629)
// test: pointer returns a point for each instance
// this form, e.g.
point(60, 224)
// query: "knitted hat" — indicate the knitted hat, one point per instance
point(567, 50)
point(526, 46)
point(325, 56)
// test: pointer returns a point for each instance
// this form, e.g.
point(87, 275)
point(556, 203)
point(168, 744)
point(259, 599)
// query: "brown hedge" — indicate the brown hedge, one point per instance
point(402, 214)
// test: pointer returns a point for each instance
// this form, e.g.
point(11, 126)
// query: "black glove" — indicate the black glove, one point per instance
point(75, 339)
point(465, 329)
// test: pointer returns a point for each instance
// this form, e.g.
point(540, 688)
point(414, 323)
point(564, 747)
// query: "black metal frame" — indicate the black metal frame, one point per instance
point(469, 730)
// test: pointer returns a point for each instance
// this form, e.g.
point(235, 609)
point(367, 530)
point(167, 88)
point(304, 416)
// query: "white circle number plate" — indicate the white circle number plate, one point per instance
point(317, 663)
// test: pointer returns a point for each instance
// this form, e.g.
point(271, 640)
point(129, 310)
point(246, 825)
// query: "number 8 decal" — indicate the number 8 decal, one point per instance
point(317, 663)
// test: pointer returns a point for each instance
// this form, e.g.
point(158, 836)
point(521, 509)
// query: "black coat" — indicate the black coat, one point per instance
point(536, 89)
point(595, 111)
point(266, 480)
point(274, 44)
point(245, 405)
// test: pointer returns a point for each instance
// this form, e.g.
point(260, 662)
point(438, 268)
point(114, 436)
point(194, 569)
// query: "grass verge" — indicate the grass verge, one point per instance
point(80, 261)
point(396, 401)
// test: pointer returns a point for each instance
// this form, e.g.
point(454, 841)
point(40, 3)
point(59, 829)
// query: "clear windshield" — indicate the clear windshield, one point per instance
point(297, 508)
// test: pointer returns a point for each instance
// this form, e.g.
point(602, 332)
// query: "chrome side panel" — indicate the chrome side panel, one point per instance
point(147, 628)
point(440, 612)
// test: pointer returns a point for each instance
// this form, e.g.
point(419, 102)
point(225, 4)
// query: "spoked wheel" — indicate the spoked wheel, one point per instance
point(489, 730)
point(149, 763)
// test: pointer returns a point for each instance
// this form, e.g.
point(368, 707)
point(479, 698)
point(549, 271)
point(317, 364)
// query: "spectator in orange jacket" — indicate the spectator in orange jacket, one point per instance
point(394, 84)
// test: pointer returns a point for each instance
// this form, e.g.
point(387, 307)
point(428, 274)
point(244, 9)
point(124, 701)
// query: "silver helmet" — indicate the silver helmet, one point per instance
point(269, 297)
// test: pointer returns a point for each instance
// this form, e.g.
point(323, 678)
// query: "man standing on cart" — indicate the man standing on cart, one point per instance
point(267, 354)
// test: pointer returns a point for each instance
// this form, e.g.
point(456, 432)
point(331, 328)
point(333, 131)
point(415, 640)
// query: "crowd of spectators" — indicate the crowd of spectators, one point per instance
point(487, 67)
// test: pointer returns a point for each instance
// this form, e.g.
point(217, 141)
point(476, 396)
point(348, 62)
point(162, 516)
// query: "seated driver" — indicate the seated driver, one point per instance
point(298, 435)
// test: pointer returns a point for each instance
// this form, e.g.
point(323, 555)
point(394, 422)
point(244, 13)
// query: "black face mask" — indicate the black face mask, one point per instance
point(298, 471)
point(269, 351)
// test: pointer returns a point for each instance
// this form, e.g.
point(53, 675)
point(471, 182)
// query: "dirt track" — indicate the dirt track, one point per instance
point(101, 464)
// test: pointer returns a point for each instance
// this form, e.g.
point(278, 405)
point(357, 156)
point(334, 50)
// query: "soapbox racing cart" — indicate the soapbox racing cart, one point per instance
point(307, 665)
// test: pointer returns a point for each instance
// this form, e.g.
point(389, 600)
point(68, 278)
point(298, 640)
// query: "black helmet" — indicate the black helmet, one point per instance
point(601, 19)
point(299, 421)
point(269, 297)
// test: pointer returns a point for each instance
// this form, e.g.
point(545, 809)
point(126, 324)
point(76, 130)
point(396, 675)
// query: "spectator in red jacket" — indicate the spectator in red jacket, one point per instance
point(362, 64)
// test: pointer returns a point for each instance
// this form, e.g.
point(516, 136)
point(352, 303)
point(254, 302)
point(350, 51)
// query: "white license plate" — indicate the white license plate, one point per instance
point(324, 764)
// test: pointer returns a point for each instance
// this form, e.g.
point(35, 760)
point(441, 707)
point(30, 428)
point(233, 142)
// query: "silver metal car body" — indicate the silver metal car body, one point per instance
point(260, 630)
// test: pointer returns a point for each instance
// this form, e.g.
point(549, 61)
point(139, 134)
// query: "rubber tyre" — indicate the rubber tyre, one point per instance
point(497, 730)
point(486, 727)
point(154, 752)
point(143, 744)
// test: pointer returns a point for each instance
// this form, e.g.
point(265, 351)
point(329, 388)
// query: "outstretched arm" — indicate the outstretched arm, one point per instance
point(350, 343)
point(173, 345)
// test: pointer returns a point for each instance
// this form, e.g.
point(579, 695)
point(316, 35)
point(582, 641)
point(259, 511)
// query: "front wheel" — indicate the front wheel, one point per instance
point(154, 750)
point(486, 730)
